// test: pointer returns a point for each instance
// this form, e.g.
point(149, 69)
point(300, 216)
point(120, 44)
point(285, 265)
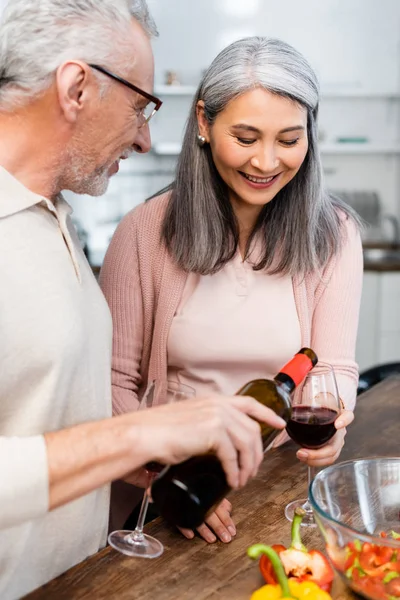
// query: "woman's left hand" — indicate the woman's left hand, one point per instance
point(218, 524)
point(331, 451)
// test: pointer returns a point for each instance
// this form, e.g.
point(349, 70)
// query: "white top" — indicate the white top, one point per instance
point(232, 327)
point(55, 363)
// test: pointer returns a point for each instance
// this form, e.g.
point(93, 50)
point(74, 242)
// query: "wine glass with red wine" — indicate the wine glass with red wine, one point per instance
point(315, 408)
point(136, 543)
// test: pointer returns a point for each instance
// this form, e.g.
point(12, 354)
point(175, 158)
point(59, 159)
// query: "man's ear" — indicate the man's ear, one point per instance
point(73, 88)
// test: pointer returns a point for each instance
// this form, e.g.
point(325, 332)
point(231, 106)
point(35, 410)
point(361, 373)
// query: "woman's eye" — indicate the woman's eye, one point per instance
point(289, 142)
point(245, 141)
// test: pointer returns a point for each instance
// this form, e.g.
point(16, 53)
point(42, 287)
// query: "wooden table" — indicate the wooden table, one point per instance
point(194, 570)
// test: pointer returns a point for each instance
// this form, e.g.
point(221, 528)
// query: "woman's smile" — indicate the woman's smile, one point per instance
point(259, 183)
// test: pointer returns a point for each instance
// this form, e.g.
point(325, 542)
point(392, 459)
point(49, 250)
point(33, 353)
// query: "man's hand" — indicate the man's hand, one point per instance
point(222, 425)
point(116, 448)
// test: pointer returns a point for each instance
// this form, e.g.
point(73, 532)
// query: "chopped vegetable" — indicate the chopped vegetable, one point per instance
point(307, 590)
point(299, 563)
point(391, 575)
point(373, 569)
point(393, 587)
point(284, 589)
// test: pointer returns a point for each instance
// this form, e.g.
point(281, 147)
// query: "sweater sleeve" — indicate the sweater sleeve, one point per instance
point(335, 318)
point(24, 490)
point(120, 282)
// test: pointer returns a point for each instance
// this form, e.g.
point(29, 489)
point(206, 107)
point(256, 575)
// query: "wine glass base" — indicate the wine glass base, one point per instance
point(308, 518)
point(144, 546)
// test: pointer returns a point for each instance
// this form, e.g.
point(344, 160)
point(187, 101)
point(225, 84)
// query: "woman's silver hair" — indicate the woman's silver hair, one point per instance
point(300, 228)
point(37, 36)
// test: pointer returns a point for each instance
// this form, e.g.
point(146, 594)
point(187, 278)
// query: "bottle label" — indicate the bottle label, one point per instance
point(297, 368)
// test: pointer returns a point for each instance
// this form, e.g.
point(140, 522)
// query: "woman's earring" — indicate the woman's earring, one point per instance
point(201, 140)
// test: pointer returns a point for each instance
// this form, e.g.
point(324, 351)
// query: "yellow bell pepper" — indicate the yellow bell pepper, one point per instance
point(306, 590)
point(285, 589)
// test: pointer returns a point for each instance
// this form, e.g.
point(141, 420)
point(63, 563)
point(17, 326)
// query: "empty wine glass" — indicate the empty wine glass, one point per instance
point(312, 424)
point(136, 543)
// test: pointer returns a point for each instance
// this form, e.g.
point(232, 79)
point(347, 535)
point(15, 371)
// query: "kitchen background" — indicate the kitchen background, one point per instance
point(354, 46)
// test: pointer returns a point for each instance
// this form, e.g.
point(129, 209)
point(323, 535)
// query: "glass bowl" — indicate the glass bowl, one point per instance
point(356, 503)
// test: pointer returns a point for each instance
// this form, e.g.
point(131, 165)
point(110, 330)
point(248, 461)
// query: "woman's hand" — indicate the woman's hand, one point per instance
point(218, 524)
point(331, 451)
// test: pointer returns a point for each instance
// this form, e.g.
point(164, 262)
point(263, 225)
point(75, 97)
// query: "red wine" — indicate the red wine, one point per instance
point(185, 493)
point(312, 426)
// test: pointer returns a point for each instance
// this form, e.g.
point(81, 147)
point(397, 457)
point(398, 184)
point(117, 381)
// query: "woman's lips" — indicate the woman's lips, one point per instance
point(259, 183)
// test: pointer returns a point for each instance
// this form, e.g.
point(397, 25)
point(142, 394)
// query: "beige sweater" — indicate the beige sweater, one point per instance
point(144, 286)
point(55, 363)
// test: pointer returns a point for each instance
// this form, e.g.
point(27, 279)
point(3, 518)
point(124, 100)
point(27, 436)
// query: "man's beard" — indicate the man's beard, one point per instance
point(80, 176)
point(82, 182)
point(93, 184)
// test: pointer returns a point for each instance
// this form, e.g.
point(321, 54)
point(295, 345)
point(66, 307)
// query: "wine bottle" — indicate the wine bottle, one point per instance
point(185, 493)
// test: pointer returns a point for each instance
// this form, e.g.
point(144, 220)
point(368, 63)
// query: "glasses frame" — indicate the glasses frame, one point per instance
point(134, 88)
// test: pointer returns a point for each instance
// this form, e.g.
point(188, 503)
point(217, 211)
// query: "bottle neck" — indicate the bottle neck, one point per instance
point(285, 381)
point(296, 369)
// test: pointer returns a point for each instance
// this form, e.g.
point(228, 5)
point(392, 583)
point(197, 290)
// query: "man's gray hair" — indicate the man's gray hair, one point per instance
point(37, 36)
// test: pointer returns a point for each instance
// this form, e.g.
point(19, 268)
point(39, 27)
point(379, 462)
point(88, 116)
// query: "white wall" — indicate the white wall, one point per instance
point(350, 43)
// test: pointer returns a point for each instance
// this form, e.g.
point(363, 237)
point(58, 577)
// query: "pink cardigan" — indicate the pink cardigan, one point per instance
point(143, 287)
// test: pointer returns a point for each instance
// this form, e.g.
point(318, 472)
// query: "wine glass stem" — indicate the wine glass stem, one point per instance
point(137, 535)
point(307, 505)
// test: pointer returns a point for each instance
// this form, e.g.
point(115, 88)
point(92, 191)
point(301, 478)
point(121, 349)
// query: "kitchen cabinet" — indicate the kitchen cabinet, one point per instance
point(368, 328)
point(378, 339)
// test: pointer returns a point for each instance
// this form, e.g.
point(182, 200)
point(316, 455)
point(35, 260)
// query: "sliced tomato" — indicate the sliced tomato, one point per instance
point(372, 586)
point(349, 562)
point(372, 556)
point(393, 587)
point(383, 554)
point(367, 560)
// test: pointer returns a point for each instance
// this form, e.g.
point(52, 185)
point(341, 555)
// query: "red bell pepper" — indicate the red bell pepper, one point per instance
point(299, 563)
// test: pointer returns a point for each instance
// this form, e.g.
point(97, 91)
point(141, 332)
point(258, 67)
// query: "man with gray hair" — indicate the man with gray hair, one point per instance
point(76, 78)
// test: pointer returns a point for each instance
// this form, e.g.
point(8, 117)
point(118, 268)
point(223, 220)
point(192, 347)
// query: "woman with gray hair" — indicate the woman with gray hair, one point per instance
point(245, 258)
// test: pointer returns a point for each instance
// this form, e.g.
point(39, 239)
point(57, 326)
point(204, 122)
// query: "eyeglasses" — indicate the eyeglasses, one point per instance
point(143, 114)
